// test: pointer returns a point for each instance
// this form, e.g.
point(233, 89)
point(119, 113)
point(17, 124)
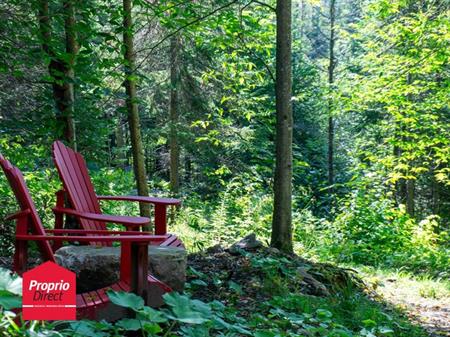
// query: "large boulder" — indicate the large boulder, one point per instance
point(98, 267)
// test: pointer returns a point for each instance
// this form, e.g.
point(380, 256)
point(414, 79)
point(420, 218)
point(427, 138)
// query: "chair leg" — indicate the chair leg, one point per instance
point(125, 262)
point(160, 219)
point(139, 269)
point(21, 247)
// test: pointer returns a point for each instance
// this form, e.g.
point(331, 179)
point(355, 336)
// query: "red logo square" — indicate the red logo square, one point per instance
point(49, 293)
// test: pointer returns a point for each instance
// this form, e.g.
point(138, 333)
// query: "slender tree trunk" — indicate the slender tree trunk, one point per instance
point(173, 112)
point(44, 26)
point(132, 108)
point(69, 91)
point(282, 212)
point(410, 193)
point(302, 8)
point(400, 185)
point(120, 141)
point(61, 71)
point(188, 168)
point(435, 195)
point(410, 183)
point(331, 67)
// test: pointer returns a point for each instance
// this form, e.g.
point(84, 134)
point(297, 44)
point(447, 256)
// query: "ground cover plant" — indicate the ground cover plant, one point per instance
point(259, 293)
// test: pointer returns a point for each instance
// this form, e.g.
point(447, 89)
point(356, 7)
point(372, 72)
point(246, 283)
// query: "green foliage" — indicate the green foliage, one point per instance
point(290, 314)
point(372, 229)
point(402, 99)
point(242, 207)
point(10, 290)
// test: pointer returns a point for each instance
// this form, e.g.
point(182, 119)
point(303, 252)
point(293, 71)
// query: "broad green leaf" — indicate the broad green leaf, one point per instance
point(9, 282)
point(127, 300)
point(129, 324)
point(10, 301)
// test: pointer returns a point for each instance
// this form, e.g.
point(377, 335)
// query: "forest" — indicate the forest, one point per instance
point(308, 142)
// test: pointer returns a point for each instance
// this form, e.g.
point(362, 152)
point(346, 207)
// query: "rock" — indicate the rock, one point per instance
point(98, 267)
point(248, 243)
point(215, 249)
point(316, 287)
point(168, 264)
point(273, 250)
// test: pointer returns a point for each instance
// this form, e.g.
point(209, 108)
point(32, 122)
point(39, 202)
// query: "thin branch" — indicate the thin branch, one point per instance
point(265, 5)
point(176, 31)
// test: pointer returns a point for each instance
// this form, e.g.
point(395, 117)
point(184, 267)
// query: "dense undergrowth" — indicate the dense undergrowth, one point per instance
point(367, 229)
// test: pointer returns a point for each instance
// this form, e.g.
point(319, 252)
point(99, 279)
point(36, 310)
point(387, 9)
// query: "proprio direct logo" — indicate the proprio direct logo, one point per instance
point(49, 293)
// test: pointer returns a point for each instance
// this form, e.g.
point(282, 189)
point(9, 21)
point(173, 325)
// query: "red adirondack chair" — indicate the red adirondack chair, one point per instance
point(82, 197)
point(134, 249)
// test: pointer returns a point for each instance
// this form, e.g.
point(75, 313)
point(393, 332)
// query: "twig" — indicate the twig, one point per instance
point(176, 31)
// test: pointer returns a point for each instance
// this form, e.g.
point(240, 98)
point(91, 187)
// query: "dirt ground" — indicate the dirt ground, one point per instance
point(426, 305)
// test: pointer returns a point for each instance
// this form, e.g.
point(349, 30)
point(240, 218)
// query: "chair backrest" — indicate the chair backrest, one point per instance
point(22, 194)
point(77, 183)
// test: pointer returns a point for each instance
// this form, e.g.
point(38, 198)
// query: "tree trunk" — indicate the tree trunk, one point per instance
point(410, 191)
point(69, 92)
point(410, 183)
point(282, 212)
point(331, 67)
point(302, 7)
point(188, 168)
point(435, 195)
point(173, 112)
point(120, 142)
point(62, 72)
point(400, 185)
point(132, 108)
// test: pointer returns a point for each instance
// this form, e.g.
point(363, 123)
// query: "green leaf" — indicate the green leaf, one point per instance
point(10, 301)
point(368, 323)
point(199, 283)
point(151, 315)
point(263, 333)
point(385, 330)
point(322, 313)
point(236, 287)
point(129, 324)
point(127, 300)
point(152, 329)
point(186, 310)
point(195, 331)
point(10, 282)
point(86, 329)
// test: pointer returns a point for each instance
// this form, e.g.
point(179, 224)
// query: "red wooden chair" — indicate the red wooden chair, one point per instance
point(82, 197)
point(134, 249)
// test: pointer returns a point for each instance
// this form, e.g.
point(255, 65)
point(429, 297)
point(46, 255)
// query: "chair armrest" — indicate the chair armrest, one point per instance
point(149, 200)
point(95, 238)
point(134, 221)
point(17, 215)
point(95, 231)
point(161, 205)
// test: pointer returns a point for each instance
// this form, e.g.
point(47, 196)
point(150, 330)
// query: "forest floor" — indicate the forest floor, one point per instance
point(268, 289)
point(426, 301)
